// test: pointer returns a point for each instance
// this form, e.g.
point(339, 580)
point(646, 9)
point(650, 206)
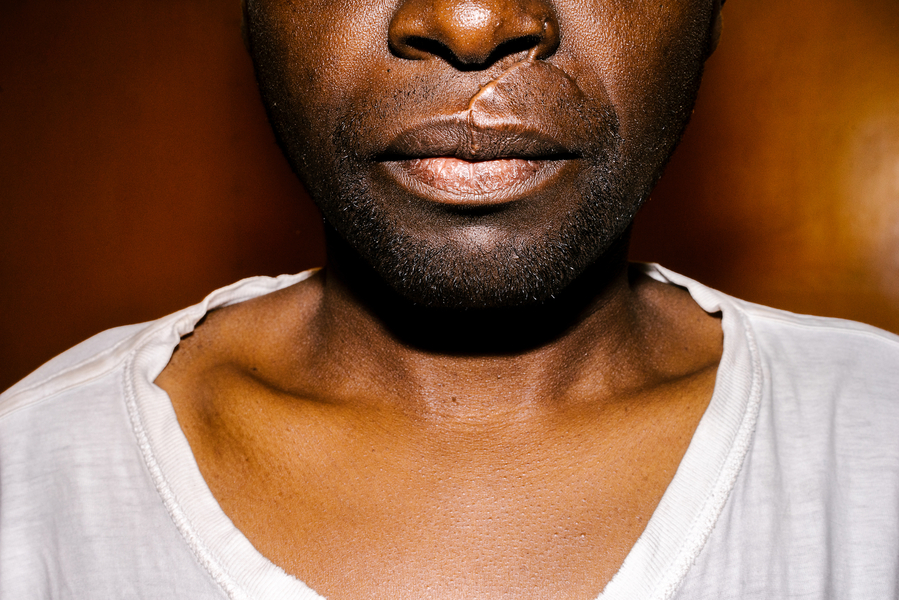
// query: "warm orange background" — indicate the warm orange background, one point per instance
point(137, 172)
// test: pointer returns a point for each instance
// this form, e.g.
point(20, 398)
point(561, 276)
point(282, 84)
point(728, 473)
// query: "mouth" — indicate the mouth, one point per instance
point(455, 181)
point(454, 162)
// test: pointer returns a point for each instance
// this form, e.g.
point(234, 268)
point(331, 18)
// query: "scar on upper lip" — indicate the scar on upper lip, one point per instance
point(473, 114)
point(488, 88)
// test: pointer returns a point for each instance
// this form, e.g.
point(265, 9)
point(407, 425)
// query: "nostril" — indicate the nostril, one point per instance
point(512, 47)
point(426, 47)
point(423, 47)
point(473, 34)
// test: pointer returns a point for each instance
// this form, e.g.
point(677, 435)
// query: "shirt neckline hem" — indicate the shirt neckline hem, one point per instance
point(654, 568)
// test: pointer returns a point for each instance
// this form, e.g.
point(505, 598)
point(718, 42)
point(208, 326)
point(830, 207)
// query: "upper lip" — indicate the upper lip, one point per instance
point(456, 136)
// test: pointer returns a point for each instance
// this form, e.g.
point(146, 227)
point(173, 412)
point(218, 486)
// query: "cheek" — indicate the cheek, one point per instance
point(317, 54)
point(646, 55)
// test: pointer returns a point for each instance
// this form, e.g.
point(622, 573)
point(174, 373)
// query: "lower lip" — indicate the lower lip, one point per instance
point(477, 183)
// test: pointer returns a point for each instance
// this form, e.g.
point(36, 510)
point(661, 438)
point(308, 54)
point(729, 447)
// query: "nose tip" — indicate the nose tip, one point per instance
point(472, 33)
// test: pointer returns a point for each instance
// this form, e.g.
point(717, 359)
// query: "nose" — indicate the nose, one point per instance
point(473, 33)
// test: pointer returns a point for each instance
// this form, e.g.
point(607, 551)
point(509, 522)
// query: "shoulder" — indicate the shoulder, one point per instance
point(78, 488)
point(106, 352)
point(85, 362)
point(826, 430)
point(830, 399)
point(816, 499)
point(822, 354)
point(800, 347)
point(775, 324)
point(821, 381)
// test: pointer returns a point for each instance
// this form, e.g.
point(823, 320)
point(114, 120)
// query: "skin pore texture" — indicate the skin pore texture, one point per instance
point(476, 397)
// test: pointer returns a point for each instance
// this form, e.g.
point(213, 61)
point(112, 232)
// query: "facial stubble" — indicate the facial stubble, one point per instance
point(447, 264)
point(473, 258)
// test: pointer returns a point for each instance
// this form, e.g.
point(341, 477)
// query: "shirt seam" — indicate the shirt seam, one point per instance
point(179, 518)
point(83, 380)
point(727, 475)
point(820, 325)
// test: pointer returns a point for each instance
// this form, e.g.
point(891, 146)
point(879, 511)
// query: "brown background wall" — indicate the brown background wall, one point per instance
point(137, 172)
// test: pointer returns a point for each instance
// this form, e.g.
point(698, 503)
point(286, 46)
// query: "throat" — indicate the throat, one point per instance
point(353, 287)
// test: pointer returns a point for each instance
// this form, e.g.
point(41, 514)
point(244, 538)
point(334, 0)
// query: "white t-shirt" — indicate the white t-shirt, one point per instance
point(789, 489)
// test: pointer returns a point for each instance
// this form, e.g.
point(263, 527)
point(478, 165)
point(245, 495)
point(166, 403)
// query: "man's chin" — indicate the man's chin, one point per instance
point(463, 274)
point(476, 283)
point(454, 300)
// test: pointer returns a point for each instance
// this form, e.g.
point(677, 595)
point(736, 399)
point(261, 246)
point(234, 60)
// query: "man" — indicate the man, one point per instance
point(477, 396)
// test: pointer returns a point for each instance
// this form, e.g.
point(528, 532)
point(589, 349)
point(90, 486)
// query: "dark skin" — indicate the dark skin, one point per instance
point(376, 442)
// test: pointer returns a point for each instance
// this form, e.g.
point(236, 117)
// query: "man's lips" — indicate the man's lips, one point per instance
point(459, 137)
point(453, 162)
point(465, 178)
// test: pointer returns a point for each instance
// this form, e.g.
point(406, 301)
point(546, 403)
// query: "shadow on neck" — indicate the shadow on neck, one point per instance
point(477, 331)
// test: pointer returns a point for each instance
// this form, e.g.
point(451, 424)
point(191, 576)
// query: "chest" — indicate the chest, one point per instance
point(359, 510)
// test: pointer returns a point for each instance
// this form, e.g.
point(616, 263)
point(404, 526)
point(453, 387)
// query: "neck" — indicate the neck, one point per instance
point(475, 332)
point(478, 357)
